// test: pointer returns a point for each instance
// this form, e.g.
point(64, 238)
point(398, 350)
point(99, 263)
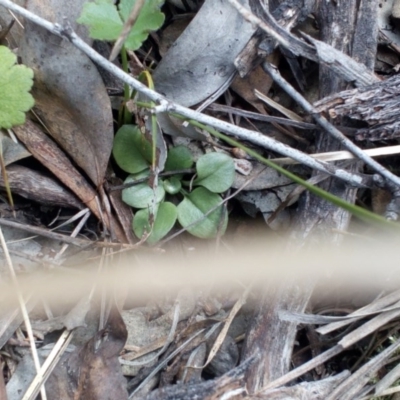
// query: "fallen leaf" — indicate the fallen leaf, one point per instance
point(93, 372)
point(189, 74)
point(48, 153)
point(70, 95)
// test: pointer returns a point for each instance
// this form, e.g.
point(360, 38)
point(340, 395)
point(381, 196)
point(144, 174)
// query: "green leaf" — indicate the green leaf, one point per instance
point(150, 19)
point(102, 19)
point(164, 221)
point(172, 185)
point(15, 83)
point(195, 206)
point(179, 157)
point(142, 195)
point(215, 171)
point(357, 211)
point(131, 150)
point(105, 22)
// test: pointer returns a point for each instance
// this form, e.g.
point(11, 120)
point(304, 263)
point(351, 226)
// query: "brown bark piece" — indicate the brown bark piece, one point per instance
point(271, 337)
point(377, 105)
point(38, 187)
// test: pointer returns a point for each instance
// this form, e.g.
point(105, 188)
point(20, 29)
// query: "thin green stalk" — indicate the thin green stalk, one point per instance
point(150, 84)
point(125, 116)
point(357, 211)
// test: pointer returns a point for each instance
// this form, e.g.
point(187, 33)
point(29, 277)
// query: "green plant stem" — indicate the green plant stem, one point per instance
point(359, 212)
point(154, 144)
point(125, 116)
point(144, 104)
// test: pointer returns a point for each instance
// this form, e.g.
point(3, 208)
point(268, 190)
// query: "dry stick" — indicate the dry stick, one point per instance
point(343, 155)
point(24, 311)
point(162, 364)
point(74, 234)
point(49, 365)
point(327, 126)
point(133, 16)
point(302, 101)
point(169, 106)
point(260, 117)
point(83, 243)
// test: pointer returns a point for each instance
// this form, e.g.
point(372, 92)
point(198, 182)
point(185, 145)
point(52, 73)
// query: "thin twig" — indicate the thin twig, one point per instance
point(327, 126)
point(82, 243)
point(343, 155)
point(49, 365)
point(133, 16)
point(260, 117)
point(244, 134)
point(24, 311)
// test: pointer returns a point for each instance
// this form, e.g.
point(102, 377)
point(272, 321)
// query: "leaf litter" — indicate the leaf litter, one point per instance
point(215, 343)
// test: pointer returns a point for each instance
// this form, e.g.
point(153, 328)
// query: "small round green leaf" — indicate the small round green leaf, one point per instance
point(131, 150)
point(142, 195)
point(172, 185)
point(165, 220)
point(215, 171)
point(179, 157)
point(195, 206)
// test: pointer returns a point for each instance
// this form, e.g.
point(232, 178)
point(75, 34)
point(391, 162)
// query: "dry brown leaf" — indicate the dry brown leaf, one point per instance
point(93, 372)
point(48, 153)
point(70, 96)
point(256, 79)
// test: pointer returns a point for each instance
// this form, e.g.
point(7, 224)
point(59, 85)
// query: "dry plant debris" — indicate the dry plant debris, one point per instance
point(212, 91)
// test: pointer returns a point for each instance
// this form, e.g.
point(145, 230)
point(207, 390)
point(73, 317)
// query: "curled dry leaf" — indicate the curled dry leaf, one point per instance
point(70, 96)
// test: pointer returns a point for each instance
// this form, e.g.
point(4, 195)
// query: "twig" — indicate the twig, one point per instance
point(24, 311)
point(343, 155)
point(133, 16)
point(260, 117)
point(49, 365)
point(82, 243)
point(244, 134)
point(346, 67)
point(327, 126)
